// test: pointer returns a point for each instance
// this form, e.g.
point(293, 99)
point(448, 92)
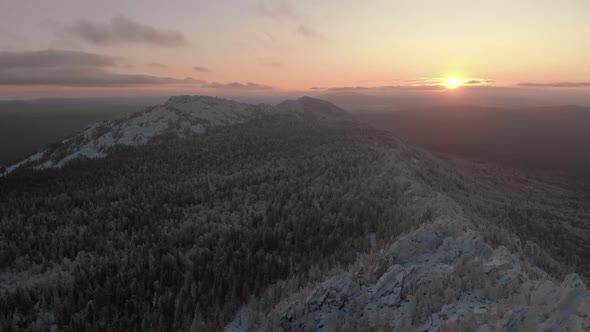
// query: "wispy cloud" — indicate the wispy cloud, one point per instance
point(279, 10)
point(555, 85)
point(381, 88)
point(236, 86)
point(441, 81)
point(270, 63)
point(121, 30)
point(72, 68)
point(376, 81)
point(82, 69)
point(201, 69)
point(284, 12)
point(478, 81)
point(84, 77)
point(425, 80)
point(306, 31)
point(54, 58)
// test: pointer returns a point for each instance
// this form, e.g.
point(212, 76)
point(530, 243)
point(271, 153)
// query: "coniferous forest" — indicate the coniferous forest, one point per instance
point(177, 235)
point(180, 234)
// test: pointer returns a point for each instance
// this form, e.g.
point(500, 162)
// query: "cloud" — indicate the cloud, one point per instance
point(201, 69)
point(283, 12)
point(478, 81)
point(236, 86)
point(307, 31)
point(555, 85)
point(158, 65)
point(381, 88)
point(72, 68)
point(421, 87)
point(270, 63)
point(279, 10)
point(342, 88)
point(82, 69)
point(83, 77)
point(425, 81)
point(375, 81)
point(121, 30)
point(54, 58)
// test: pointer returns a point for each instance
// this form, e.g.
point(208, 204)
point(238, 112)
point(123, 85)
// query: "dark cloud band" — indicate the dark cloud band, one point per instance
point(201, 69)
point(236, 86)
point(555, 85)
point(122, 30)
point(53, 58)
point(82, 69)
point(84, 77)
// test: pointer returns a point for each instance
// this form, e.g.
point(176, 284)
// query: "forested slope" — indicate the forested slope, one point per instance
point(180, 233)
point(183, 233)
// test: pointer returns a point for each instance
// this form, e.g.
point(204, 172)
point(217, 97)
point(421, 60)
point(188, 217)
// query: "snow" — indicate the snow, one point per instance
point(178, 115)
point(37, 156)
point(448, 267)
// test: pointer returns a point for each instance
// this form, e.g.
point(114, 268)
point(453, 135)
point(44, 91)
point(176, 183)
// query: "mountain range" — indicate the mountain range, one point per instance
point(205, 214)
point(181, 116)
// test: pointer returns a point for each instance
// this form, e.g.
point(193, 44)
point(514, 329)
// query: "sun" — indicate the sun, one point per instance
point(453, 82)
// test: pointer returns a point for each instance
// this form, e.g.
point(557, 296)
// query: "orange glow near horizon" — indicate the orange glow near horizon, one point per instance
point(288, 46)
point(453, 82)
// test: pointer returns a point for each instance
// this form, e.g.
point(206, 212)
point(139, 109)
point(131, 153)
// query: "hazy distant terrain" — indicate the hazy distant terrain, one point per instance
point(553, 139)
point(27, 126)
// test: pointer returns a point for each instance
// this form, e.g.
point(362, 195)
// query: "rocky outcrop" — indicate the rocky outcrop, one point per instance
point(440, 277)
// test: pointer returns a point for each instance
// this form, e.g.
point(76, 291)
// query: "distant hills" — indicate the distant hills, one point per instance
point(543, 138)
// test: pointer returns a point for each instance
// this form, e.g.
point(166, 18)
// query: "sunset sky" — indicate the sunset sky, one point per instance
point(84, 48)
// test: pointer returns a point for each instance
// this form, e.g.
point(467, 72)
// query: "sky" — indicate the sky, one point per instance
point(125, 47)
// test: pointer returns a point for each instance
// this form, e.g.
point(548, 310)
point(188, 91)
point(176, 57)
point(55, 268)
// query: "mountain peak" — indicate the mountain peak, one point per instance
point(197, 99)
point(319, 108)
point(182, 115)
point(179, 115)
point(314, 108)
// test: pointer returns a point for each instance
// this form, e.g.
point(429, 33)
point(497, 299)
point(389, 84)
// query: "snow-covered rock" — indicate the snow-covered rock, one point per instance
point(440, 277)
point(180, 115)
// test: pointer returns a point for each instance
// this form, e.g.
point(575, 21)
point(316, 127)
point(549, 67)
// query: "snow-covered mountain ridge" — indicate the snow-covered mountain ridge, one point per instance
point(180, 115)
point(445, 275)
point(441, 277)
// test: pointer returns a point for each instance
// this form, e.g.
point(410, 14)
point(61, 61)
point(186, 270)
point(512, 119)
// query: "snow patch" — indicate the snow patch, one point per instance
point(180, 115)
point(37, 156)
point(443, 276)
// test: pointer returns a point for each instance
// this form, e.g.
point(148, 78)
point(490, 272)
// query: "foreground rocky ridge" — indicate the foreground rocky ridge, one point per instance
point(443, 276)
point(181, 116)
